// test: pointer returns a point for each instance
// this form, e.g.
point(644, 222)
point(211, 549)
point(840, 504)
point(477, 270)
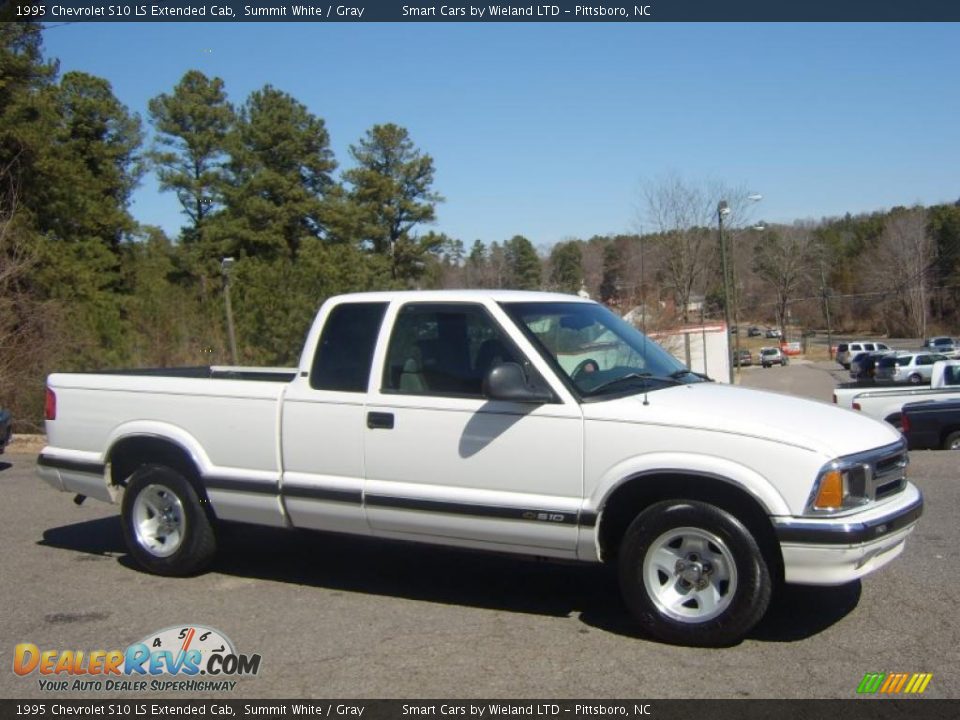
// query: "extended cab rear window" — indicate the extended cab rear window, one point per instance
point(345, 350)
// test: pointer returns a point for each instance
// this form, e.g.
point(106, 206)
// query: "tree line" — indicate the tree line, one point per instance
point(83, 285)
point(86, 286)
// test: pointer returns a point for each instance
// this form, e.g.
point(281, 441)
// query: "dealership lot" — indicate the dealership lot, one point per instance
point(342, 617)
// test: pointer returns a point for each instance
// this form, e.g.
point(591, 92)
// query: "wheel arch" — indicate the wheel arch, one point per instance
point(946, 433)
point(641, 490)
point(131, 451)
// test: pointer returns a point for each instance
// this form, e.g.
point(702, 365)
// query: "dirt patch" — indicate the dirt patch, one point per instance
point(27, 443)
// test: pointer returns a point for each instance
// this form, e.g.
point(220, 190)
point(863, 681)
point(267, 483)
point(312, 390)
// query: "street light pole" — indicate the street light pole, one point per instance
point(225, 265)
point(724, 209)
point(755, 197)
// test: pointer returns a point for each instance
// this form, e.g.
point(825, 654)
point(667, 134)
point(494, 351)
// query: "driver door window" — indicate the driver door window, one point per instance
point(443, 350)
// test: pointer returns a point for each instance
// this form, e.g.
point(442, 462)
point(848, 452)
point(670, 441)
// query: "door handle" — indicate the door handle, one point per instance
point(380, 421)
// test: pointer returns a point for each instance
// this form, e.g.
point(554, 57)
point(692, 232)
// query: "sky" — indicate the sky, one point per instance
point(553, 131)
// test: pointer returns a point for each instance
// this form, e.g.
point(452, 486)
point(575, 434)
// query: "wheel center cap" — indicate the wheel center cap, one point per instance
point(692, 573)
point(168, 519)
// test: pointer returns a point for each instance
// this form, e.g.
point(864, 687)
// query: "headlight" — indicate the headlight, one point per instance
point(849, 482)
point(840, 488)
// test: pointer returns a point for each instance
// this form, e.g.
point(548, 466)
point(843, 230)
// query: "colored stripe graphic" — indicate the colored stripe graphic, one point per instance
point(871, 682)
point(894, 683)
point(918, 683)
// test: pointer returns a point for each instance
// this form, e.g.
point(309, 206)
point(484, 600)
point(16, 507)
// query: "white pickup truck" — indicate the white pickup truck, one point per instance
point(529, 423)
point(885, 402)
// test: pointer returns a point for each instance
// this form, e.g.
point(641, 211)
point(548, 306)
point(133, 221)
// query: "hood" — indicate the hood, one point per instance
point(773, 416)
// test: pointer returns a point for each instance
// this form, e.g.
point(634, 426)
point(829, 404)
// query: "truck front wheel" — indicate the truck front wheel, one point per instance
point(165, 528)
point(692, 574)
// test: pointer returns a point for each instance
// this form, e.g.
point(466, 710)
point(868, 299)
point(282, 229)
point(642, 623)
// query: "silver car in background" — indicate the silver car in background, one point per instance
point(914, 367)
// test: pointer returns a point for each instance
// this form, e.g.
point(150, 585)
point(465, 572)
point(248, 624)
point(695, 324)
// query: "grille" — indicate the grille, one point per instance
point(889, 474)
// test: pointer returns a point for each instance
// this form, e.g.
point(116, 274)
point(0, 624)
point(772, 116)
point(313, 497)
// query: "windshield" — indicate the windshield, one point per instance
point(596, 351)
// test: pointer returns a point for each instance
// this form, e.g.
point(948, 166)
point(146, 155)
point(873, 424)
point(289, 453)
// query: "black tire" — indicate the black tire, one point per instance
point(747, 593)
point(196, 544)
point(915, 379)
point(952, 441)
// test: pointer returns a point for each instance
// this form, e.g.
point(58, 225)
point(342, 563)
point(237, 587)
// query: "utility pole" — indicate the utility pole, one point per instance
point(724, 209)
point(826, 306)
point(225, 265)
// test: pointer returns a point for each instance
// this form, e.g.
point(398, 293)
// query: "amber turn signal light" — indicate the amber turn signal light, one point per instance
point(830, 494)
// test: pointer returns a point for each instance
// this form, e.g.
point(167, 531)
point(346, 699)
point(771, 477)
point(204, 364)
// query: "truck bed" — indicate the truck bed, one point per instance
point(209, 372)
point(226, 417)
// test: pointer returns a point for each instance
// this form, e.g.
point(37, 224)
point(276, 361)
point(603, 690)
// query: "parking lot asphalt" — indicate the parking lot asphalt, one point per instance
point(338, 617)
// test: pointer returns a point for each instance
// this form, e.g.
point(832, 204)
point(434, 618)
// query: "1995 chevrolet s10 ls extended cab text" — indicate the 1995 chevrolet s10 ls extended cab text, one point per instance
point(530, 423)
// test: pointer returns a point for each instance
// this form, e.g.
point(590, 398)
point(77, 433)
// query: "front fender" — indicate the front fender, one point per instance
point(658, 463)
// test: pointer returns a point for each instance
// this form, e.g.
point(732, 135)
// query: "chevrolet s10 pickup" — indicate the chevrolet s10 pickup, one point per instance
point(530, 423)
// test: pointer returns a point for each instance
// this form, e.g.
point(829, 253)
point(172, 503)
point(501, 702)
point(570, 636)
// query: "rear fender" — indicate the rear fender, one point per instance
point(161, 431)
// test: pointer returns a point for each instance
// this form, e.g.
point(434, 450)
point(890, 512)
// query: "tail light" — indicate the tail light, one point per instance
point(856, 406)
point(905, 423)
point(50, 406)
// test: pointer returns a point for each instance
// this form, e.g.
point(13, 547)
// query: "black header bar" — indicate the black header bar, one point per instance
point(640, 11)
point(417, 709)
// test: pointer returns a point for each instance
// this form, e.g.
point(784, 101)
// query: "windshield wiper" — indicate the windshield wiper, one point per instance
point(632, 376)
point(686, 371)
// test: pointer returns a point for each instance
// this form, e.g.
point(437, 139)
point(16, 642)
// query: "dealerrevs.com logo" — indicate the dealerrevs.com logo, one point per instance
point(187, 658)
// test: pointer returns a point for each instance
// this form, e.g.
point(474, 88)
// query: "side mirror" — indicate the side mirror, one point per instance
point(508, 382)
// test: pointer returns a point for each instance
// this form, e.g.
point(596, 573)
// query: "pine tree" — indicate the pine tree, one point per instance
point(391, 188)
point(522, 263)
point(27, 111)
point(279, 172)
point(613, 272)
point(566, 266)
point(192, 127)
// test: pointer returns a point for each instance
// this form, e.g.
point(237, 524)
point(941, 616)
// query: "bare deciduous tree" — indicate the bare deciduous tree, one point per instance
point(684, 216)
point(784, 259)
point(905, 258)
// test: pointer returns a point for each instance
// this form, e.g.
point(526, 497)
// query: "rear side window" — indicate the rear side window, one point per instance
point(345, 351)
point(868, 347)
point(842, 347)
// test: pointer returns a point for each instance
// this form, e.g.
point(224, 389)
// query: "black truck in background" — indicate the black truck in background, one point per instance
point(932, 425)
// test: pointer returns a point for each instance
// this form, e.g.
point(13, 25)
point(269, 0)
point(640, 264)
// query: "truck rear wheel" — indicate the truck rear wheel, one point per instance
point(164, 525)
point(692, 574)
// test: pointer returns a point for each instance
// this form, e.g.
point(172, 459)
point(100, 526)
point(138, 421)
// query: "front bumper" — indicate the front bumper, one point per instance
point(834, 551)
